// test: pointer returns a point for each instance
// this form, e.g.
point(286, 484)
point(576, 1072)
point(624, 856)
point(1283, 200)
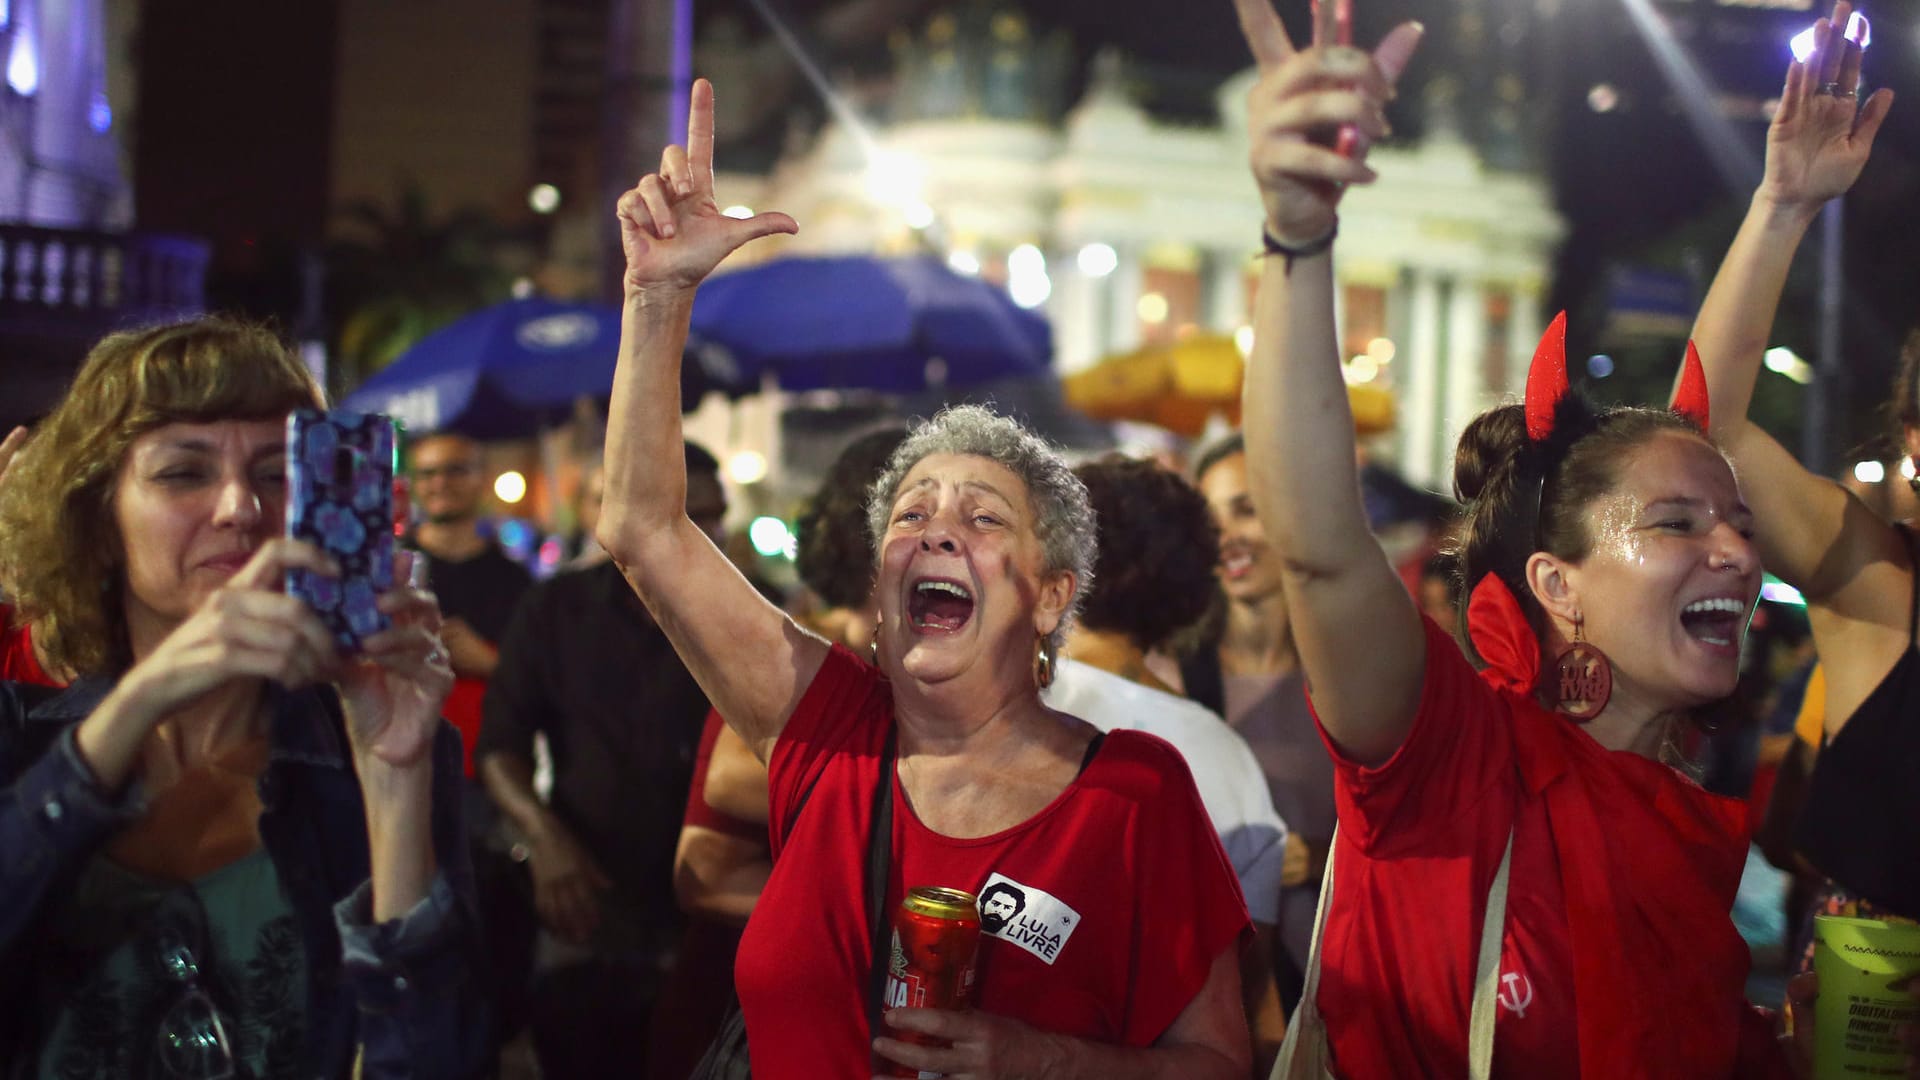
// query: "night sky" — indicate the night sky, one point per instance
point(1634, 184)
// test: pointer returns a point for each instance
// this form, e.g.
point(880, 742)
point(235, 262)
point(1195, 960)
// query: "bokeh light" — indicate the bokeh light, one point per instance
point(510, 487)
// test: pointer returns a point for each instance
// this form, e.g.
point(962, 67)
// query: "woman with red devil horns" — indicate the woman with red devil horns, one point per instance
point(1519, 876)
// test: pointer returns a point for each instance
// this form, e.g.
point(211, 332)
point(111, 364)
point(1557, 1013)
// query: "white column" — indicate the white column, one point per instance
point(1122, 299)
point(1523, 335)
point(1422, 396)
point(1224, 309)
point(1466, 389)
point(1074, 309)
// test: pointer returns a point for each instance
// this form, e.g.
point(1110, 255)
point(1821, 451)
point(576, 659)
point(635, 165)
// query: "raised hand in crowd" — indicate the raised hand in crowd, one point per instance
point(1822, 134)
point(1817, 146)
point(673, 235)
point(671, 229)
point(1301, 95)
point(1346, 601)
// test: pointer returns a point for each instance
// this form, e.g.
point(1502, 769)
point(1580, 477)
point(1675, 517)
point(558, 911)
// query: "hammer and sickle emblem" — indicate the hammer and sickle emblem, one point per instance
point(1516, 993)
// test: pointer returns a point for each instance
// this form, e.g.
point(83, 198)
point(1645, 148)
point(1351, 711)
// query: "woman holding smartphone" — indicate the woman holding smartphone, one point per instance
point(226, 849)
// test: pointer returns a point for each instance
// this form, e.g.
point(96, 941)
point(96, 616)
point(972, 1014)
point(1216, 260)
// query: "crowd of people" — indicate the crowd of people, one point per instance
point(1239, 795)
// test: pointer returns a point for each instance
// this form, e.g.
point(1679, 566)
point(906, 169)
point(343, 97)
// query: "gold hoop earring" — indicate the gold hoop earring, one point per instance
point(1043, 661)
point(873, 644)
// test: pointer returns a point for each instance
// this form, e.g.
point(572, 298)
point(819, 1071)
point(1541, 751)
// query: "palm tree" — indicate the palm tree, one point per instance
point(405, 275)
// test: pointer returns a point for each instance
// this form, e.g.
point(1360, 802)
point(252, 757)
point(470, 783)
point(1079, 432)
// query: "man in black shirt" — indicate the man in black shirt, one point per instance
point(478, 587)
point(477, 584)
point(585, 665)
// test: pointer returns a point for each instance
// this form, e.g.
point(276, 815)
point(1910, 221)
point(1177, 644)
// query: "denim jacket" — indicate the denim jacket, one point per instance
point(403, 995)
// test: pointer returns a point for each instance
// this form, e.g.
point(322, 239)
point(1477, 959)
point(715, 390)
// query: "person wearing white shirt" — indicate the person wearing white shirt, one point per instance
point(1154, 577)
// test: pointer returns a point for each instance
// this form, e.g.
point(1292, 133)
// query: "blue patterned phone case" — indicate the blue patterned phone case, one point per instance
point(340, 499)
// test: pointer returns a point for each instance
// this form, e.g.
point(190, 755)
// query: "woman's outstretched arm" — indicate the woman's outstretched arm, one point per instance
point(751, 660)
point(1359, 635)
point(1853, 567)
point(1811, 532)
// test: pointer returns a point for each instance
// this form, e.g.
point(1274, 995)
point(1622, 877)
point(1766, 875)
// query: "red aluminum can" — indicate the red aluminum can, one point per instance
point(936, 934)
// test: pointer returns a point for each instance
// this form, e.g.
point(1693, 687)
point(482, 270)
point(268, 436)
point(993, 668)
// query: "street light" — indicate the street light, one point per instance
point(1027, 279)
point(747, 467)
point(510, 487)
point(23, 62)
point(894, 179)
point(1098, 260)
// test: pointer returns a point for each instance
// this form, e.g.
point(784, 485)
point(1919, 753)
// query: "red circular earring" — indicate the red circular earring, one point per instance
point(1586, 679)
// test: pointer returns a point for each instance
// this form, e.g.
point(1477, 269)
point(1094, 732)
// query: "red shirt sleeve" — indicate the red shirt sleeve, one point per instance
point(17, 662)
point(1190, 909)
point(1459, 746)
point(699, 812)
point(843, 709)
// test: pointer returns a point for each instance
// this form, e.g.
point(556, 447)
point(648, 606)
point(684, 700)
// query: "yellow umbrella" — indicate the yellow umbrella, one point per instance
point(1180, 386)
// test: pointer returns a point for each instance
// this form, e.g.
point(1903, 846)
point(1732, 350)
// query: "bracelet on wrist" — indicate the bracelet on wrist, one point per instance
point(1290, 252)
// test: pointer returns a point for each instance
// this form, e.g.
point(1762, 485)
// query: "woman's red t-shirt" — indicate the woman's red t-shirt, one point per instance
point(1618, 959)
point(1119, 894)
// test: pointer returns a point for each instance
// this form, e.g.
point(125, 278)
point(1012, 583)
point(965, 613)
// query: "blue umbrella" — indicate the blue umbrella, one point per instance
point(860, 322)
point(500, 372)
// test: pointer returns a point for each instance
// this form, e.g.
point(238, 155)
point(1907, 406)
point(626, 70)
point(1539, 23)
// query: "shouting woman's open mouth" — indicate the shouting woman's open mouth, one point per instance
point(939, 604)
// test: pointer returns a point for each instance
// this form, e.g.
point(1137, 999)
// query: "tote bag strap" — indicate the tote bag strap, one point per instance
point(1486, 973)
point(1305, 1021)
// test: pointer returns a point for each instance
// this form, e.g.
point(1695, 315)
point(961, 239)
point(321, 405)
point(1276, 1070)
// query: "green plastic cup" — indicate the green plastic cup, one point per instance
point(1860, 962)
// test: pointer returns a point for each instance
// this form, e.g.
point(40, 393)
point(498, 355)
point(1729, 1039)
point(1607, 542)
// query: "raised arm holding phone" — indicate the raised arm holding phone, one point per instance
point(1553, 895)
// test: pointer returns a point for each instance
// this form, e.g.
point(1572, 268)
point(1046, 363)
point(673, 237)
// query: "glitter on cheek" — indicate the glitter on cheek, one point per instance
point(1613, 533)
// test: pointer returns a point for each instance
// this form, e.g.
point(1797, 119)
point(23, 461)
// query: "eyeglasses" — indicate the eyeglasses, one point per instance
point(191, 1042)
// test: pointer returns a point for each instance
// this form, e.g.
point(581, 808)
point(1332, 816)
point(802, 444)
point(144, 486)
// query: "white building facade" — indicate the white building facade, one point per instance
point(59, 157)
point(1150, 232)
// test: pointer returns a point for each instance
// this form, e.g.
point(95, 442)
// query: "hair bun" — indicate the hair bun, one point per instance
point(1488, 448)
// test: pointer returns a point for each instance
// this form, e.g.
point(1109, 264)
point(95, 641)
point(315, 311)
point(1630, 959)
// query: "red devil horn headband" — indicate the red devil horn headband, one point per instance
point(1547, 384)
point(1547, 379)
point(1690, 397)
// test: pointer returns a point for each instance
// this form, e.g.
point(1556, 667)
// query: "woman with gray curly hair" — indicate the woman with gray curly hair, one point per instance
point(1110, 919)
point(1062, 517)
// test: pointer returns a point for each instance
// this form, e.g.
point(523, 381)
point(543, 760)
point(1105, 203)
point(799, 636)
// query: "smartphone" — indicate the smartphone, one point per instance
point(1333, 25)
point(340, 499)
point(1859, 30)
